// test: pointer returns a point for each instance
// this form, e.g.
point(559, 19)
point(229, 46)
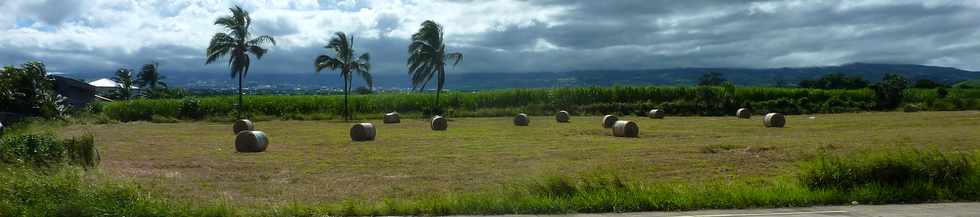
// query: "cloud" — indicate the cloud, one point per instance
point(500, 35)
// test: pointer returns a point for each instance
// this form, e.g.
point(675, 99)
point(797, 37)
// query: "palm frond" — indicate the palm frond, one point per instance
point(325, 62)
point(220, 45)
point(261, 40)
point(456, 57)
point(258, 51)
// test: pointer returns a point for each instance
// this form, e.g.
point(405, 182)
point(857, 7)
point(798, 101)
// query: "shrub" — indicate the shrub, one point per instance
point(29, 90)
point(190, 108)
point(82, 151)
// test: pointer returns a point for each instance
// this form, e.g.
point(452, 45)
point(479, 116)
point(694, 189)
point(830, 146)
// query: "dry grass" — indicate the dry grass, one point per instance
point(315, 161)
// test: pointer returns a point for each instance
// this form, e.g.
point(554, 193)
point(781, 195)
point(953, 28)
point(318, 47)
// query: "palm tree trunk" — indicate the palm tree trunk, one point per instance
point(346, 94)
point(240, 96)
point(438, 109)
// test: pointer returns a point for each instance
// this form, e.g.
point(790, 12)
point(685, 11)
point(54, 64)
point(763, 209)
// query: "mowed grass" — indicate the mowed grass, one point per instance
point(314, 162)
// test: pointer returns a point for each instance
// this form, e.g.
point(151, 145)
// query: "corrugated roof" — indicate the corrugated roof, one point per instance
point(105, 82)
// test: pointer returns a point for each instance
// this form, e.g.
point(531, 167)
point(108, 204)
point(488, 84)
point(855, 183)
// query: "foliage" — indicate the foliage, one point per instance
point(890, 91)
point(344, 60)
point(363, 90)
point(942, 92)
point(149, 77)
point(427, 57)
point(82, 151)
point(43, 150)
point(71, 192)
point(586, 100)
point(124, 77)
point(592, 100)
point(165, 93)
point(237, 43)
point(29, 90)
point(711, 79)
point(893, 169)
point(968, 84)
point(927, 84)
point(190, 108)
point(835, 81)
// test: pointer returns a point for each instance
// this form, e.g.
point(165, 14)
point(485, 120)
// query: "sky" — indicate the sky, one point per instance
point(99, 36)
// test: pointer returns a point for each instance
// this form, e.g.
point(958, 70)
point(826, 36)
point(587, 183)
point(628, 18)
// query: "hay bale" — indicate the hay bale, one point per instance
point(251, 141)
point(743, 113)
point(608, 121)
point(625, 129)
point(521, 120)
point(392, 118)
point(656, 113)
point(439, 123)
point(562, 117)
point(362, 132)
point(774, 120)
point(243, 125)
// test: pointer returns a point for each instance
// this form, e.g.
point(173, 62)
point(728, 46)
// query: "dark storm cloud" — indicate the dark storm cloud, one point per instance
point(588, 35)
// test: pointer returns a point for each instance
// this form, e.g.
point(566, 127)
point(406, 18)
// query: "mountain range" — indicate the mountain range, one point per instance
point(488, 80)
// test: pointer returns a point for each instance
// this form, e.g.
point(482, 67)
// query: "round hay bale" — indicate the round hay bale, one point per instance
point(562, 117)
point(362, 132)
point(521, 120)
point(392, 118)
point(243, 125)
point(656, 113)
point(439, 123)
point(625, 129)
point(251, 141)
point(743, 113)
point(608, 121)
point(774, 120)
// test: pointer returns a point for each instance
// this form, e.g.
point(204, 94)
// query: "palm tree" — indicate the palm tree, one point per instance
point(237, 43)
point(124, 77)
point(427, 56)
point(345, 61)
point(150, 77)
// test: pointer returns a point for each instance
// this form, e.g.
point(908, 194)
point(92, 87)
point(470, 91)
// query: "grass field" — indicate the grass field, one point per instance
point(315, 161)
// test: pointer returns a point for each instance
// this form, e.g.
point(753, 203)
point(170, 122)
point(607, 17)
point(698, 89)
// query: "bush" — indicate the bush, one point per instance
point(45, 151)
point(81, 151)
point(891, 169)
point(29, 90)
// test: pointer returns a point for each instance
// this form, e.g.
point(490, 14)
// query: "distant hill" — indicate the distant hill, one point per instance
point(689, 76)
point(671, 76)
point(975, 83)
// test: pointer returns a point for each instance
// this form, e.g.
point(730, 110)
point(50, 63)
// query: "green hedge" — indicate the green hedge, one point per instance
point(721, 100)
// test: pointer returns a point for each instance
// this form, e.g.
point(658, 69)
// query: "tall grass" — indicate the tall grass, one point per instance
point(896, 177)
point(66, 191)
point(44, 150)
point(585, 100)
point(623, 100)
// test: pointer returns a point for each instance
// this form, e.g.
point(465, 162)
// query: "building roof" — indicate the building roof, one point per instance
point(62, 80)
point(105, 82)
